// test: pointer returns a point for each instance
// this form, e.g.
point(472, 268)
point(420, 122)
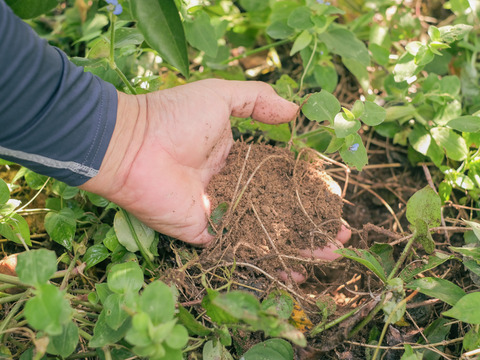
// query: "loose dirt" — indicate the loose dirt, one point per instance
point(277, 205)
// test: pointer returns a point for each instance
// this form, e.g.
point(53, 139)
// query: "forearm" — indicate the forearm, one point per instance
point(55, 118)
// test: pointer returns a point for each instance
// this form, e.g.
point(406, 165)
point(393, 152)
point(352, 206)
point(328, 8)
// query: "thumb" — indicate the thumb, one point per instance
point(256, 99)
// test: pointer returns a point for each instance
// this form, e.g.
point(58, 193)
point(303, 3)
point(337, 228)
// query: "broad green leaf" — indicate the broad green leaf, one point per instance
point(451, 33)
point(415, 268)
point(65, 343)
point(466, 309)
point(125, 278)
point(254, 5)
point(97, 200)
point(424, 56)
point(359, 70)
point(94, 255)
point(115, 316)
point(158, 302)
point(272, 349)
point(125, 36)
point(124, 234)
point(239, 304)
point(104, 335)
point(405, 68)
point(411, 354)
point(453, 144)
point(373, 114)
point(365, 258)
point(34, 180)
point(475, 227)
point(385, 255)
point(438, 288)
point(63, 190)
point(300, 19)
point(473, 252)
point(4, 192)
point(201, 34)
point(353, 152)
point(28, 9)
point(61, 227)
point(279, 30)
point(326, 77)
point(215, 352)
point(15, 228)
point(471, 340)
point(344, 127)
point(281, 302)
point(36, 267)
point(467, 123)
point(358, 109)
point(436, 332)
point(102, 291)
point(193, 326)
point(215, 312)
point(177, 338)
point(48, 310)
point(420, 139)
point(344, 43)
point(321, 106)
point(425, 205)
point(301, 42)
point(139, 333)
point(160, 24)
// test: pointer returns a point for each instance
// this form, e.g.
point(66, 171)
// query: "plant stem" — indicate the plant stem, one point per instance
point(11, 298)
point(145, 253)
point(84, 334)
point(257, 50)
point(311, 133)
point(320, 327)
point(404, 254)
point(308, 65)
point(369, 317)
point(69, 270)
point(11, 280)
point(12, 313)
point(111, 58)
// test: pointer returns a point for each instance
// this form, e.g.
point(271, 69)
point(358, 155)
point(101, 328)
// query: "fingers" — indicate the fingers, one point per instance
point(255, 99)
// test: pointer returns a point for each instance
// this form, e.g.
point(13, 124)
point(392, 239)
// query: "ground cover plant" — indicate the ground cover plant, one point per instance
point(389, 99)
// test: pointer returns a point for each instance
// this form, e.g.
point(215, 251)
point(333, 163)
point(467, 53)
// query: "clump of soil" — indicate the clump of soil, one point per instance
point(277, 205)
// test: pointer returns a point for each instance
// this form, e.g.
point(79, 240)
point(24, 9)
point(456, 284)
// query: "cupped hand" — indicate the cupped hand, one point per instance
point(167, 145)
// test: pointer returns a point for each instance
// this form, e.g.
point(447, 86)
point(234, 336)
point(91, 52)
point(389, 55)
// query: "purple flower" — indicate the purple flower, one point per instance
point(354, 147)
point(114, 6)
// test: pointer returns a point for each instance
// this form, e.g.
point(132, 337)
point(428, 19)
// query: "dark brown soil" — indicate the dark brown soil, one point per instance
point(277, 205)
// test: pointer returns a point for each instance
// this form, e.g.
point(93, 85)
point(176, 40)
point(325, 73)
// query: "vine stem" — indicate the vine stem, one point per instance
point(308, 65)
point(404, 254)
point(145, 253)
point(257, 50)
point(11, 314)
point(111, 58)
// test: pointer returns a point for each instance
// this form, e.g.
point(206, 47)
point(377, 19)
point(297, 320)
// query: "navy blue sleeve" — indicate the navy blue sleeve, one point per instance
point(55, 118)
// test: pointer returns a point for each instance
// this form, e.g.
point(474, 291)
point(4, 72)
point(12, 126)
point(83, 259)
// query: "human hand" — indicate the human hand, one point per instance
point(168, 144)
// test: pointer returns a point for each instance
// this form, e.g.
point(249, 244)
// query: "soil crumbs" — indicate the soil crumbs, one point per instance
point(277, 205)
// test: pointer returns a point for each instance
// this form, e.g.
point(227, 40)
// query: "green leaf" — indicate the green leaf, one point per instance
point(321, 106)
point(453, 144)
point(438, 288)
point(385, 255)
point(193, 326)
point(158, 302)
point(4, 192)
point(466, 123)
point(127, 36)
point(436, 332)
point(65, 343)
point(405, 68)
point(359, 70)
point(244, 306)
point(144, 234)
point(61, 227)
point(177, 338)
point(344, 43)
point(97, 200)
point(115, 316)
point(217, 313)
point(280, 302)
point(28, 9)
point(326, 77)
point(201, 34)
point(104, 334)
point(451, 33)
point(15, 228)
point(411, 354)
point(466, 309)
point(353, 152)
point(300, 19)
point(95, 254)
point(344, 127)
point(365, 258)
point(475, 227)
point(415, 268)
point(471, 340)
point(36, 267)
point(215, 352)
point(61, 189)
point(125, 278)
point(373, 114)
point(48, 311)
point(160, 24)
point(425, 205)
point(279, 30)
point(301, 42)
point(272, 349)
point(34, 180)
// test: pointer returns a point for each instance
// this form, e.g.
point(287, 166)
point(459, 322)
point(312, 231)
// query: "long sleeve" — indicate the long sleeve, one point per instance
point(55, 118)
